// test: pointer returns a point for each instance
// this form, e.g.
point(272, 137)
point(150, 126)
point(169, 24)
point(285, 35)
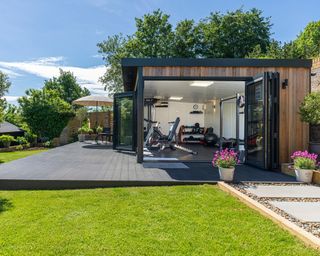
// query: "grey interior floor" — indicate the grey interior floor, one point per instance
point(204, 153)
point(90, 162)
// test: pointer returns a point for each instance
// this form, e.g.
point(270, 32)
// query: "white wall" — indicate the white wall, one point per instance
point(212, 119)
point(209, 118)
point(174, 110)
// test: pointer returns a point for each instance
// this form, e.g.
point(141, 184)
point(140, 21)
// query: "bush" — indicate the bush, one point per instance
point(48, 144)
point(6, 140)
point(310, 108)
point(21, 140)
point(99, 129)
point(19, 147)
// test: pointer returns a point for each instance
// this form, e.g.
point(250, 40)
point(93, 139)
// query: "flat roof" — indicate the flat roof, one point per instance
point(226, 62)
point(130, 65)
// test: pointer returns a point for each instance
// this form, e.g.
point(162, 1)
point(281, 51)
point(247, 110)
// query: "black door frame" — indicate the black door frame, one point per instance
point(271, 91)
point(116, 119)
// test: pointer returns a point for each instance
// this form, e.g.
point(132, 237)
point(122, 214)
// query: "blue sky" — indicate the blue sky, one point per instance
point(39, 36)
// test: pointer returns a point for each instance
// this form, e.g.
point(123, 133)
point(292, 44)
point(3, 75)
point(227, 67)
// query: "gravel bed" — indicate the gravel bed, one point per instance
point(312, 227)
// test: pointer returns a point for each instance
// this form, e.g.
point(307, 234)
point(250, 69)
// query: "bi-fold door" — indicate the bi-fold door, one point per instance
point(262, 121)
point(124, 121)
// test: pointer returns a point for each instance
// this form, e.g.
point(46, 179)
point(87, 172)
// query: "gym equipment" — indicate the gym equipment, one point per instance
point(230, 142)
point(210, 138)
point(155, 138)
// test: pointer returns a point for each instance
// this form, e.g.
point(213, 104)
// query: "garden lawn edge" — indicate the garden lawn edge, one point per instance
point(306, 237)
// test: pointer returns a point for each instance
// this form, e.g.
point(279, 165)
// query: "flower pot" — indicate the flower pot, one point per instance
point(304, 175)
point(6, 144)
point(81, 137)
point(226, 174)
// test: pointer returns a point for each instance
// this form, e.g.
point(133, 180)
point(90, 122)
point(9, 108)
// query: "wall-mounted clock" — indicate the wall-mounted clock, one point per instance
point(195, 106)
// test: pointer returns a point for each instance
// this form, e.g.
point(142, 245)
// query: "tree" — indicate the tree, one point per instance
point(12, 114)
point(153, 37)
point(45, 112)
point(186, 40)
point(66, 86)
point(113, 50)
point(234, 34)
point(4, 88)
point(307, 43)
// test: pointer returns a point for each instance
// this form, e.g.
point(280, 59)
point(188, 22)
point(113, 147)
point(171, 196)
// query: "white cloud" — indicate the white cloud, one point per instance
point(9, 72)
point(48, 67)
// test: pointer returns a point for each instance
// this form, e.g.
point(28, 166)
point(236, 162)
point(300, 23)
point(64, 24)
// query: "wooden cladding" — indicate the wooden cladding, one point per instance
point(294, 134)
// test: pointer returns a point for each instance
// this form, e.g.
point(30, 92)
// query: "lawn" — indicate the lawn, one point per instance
point(182, 220)
point(10, 156)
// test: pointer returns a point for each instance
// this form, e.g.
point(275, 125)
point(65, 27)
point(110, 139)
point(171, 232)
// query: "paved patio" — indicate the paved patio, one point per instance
point(86, 165)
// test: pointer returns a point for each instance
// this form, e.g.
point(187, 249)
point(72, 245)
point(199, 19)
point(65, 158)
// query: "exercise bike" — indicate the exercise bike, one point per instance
point(156, 139)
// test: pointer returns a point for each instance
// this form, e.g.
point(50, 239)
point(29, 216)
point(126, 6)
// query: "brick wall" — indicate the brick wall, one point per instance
point(315, 80)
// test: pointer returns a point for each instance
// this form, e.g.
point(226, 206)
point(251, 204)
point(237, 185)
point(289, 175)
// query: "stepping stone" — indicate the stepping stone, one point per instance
point(303, 211)
point(285, 191)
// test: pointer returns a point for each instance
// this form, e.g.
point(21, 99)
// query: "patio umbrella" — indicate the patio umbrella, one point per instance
point(94, 100)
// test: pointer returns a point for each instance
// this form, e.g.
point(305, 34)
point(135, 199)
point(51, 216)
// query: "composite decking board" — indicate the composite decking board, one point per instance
point(78, 165)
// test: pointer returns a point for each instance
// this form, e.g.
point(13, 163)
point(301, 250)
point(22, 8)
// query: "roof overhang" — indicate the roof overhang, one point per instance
point(130, 65)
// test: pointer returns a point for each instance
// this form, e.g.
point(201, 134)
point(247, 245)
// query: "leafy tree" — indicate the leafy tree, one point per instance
point(113, 50)
point(12, 114)
point(307, 43)
point(234, 34)
point(4, 88)
point(45, 112)
point(67, 87)
point(186, 40)
point(153, 37)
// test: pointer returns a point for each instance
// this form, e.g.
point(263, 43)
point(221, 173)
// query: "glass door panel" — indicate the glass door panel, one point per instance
point(262, 121)
point(255, 123)
point(124, 121)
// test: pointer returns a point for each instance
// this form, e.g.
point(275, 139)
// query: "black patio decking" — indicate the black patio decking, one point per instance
point(86, 165)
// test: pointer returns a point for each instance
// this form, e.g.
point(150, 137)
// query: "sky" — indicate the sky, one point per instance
point(37, 37)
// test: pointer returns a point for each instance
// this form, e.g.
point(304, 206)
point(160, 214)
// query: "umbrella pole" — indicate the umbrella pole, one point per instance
point(96, 114)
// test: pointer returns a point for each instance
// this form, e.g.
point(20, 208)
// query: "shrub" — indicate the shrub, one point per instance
point(310, 108)
point(99, 129)
point(6, 140)
point(48, 144)
point(21, 140)
point(226, 158)
point(19, 147)
point(304, 160)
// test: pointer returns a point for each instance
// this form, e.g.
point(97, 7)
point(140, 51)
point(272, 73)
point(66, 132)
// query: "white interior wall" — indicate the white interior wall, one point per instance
point(174, 110)
point(212, 119)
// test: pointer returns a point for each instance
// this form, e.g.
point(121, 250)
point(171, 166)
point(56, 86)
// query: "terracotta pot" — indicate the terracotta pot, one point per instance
point(226, 174)
point(304, 175)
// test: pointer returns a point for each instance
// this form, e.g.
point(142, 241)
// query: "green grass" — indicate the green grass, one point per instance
point(182, 220)
point(10, 156)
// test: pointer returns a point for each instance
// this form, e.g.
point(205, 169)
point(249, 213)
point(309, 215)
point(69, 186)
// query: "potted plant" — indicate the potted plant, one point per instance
point(310, 113)
point(6, 140)
point(304, 165)
point(82, 133)
point(99, 129)
point(226, 161)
